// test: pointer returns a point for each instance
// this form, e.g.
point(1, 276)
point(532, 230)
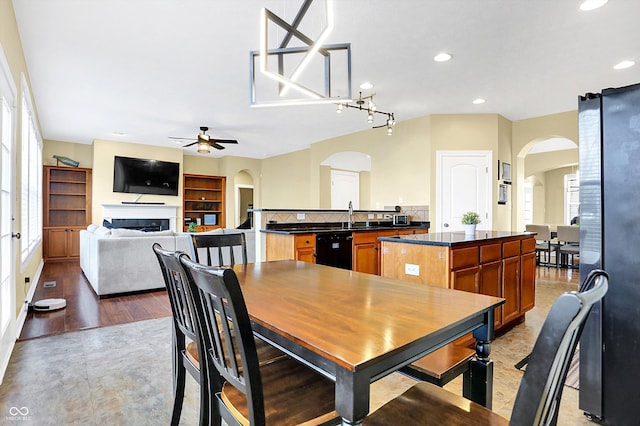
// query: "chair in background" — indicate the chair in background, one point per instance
point(540, 390)
point(224, 247)
point(543, 243)
point(568, 245)
point(186, 353)
point(281, 392)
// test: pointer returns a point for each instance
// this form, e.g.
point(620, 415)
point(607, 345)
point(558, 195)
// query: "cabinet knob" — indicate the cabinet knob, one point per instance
point(16, 235)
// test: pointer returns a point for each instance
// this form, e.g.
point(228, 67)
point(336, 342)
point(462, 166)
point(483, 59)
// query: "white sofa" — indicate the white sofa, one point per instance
point(121, 260)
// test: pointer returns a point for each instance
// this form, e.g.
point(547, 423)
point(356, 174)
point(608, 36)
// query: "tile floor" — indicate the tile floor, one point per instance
point(121, 375)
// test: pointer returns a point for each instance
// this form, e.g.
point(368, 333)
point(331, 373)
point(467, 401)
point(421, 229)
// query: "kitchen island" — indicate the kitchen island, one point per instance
point(495, 263)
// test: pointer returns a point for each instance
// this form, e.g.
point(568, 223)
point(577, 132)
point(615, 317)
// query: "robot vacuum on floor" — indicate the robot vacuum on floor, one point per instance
point(49, 305)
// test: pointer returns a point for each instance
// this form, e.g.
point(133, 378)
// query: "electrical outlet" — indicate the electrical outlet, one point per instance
point(411, 269)
point(371, 215)
point(300, 216)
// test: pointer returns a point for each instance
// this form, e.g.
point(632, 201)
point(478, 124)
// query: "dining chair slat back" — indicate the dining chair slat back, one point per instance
point(544, 246)
point(221, 249)
point(540, 391)
point(249, 393)
point(568, 244)
point(185, 351)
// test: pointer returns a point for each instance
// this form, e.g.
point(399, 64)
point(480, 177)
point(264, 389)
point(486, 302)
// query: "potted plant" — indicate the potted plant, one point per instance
point(470, 220)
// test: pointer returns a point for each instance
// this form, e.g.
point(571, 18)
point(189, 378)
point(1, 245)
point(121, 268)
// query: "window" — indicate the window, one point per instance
point(528, 203)
point(571, 197)
point(31, 189)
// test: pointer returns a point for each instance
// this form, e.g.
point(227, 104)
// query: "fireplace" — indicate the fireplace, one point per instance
point(141, 224)
point(139, 216)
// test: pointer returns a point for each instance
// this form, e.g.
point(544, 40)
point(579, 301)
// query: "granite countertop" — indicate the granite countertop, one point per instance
point(453, 238)
point(306, 228)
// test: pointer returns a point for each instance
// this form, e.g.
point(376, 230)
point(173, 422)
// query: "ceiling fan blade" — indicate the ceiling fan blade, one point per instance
point(215, 145)
point(181, 139)
point(224, 140)
point(189, 144)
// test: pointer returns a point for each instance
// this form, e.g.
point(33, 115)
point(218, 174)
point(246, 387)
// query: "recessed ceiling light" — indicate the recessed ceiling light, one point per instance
point(623, 65)
point(442, 57)
point(118, 134)
point(366, 85)
point(592, 4)
point(479, 101)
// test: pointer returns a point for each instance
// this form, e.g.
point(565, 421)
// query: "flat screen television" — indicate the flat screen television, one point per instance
point(141, 176)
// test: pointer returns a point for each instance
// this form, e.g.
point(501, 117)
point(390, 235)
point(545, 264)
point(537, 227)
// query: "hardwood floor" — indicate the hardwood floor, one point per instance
point(84, 309)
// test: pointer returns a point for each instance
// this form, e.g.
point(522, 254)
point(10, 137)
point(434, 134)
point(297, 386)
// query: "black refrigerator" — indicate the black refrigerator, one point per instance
point(609, 156)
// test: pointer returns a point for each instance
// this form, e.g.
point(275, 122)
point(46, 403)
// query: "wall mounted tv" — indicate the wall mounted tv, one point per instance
point(141, 176)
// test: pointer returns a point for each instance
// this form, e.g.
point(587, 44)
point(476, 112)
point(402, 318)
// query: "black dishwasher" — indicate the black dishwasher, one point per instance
point(334, 249)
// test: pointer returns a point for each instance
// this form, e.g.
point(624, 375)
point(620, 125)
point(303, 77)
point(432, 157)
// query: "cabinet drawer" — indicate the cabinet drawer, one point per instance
point(365, 237)
point(305, 240)
point(464, 257)
point(511, 248)
point(490, 253)
point(528, 245)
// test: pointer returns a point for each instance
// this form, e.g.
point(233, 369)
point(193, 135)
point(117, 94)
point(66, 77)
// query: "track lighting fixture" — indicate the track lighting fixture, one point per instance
point(371, 110)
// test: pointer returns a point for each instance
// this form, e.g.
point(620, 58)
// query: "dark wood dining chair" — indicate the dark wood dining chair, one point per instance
point(283, 392)
point(186, 352)
point(223, 247)
point(540, 390)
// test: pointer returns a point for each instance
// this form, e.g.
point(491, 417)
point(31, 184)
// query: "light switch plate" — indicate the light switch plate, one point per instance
point(411, 269)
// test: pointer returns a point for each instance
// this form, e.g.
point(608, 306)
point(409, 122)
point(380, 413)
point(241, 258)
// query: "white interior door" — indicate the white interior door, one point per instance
point(7, 253)
point(345, 187)
point(463, 184)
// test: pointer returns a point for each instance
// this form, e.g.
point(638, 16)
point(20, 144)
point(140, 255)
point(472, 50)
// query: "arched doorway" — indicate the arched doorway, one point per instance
point(243, 184)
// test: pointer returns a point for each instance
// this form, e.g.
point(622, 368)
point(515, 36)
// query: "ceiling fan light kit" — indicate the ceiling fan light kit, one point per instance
point(205, 142)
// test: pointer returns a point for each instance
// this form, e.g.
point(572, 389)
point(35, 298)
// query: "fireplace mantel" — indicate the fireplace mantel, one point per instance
point(142, 211)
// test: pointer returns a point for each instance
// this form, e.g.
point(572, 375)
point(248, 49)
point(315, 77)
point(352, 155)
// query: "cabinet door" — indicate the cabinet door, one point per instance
point(491, 285)
point(466, 279)
point(528, 282)
point(56, 243)
point(365, 258)
point(511, 288)
point(73, 243)
point(306, 254)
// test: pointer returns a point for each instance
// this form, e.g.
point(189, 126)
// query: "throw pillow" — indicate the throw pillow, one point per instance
point(91, 228)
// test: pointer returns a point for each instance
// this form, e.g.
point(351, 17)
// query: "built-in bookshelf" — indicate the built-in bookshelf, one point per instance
point(203, 202)
point(66, 210)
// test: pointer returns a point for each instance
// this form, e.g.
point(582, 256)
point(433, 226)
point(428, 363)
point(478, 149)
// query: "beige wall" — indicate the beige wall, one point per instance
point(526, 133)
point(469, 132)
point(554, 195)
point(102, 185)
point(285, 182)
point(82, 153)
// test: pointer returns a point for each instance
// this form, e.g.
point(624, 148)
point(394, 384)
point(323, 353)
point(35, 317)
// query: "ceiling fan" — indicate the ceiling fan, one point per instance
point(204, 141)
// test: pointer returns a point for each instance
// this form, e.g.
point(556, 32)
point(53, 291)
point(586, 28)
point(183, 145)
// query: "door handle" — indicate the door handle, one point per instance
point(446, 225)
point(16, 236)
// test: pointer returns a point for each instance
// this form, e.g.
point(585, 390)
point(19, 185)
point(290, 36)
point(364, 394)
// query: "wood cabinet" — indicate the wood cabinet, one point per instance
point(291, 246)
point(502, 267)
point(66, 206)
point(366, 252)
point(203, 202)
point(366, 248)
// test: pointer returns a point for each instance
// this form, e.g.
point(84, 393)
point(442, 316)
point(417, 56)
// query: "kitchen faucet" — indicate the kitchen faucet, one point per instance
point(351, 221)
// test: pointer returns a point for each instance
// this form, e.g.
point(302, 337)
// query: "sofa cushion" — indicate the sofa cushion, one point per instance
point(122, 232)
point(91, 228)
point(101, 230)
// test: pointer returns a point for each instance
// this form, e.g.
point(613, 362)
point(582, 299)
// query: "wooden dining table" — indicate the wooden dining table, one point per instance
point(356, 328)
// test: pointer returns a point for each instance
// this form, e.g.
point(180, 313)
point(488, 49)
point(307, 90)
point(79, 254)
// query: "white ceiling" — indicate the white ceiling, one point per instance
point(157, 68)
